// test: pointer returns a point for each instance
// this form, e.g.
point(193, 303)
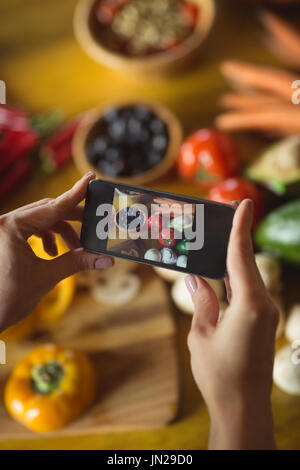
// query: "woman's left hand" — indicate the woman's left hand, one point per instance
point(25, 278)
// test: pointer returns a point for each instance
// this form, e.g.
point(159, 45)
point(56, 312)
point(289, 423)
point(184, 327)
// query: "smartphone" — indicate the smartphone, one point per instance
point(157, 228)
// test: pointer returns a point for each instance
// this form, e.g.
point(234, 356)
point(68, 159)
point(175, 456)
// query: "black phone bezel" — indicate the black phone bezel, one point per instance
point(193, 265)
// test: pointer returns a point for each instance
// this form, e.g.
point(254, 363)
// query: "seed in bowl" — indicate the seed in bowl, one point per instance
point(128, 141)
point(138, 28)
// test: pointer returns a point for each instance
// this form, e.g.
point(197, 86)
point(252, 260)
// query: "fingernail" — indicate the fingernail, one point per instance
point(104, 262)
point(191, 284)
point(88, 174)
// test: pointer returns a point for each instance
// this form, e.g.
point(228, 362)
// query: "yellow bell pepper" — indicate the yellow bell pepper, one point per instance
point(50, 387)
point(19, 331)
point(56, 302)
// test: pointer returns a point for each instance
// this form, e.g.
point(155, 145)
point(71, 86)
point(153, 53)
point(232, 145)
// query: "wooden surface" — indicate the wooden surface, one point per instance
point(44, 67)
point(133, 349)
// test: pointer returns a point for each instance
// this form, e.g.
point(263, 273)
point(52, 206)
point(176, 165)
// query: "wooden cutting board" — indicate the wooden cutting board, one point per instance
point(134, 350)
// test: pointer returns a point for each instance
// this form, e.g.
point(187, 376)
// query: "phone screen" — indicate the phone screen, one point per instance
point(153, 227)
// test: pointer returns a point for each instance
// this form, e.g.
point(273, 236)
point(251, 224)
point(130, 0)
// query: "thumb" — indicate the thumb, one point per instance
point(205, 302)
point(75, 261)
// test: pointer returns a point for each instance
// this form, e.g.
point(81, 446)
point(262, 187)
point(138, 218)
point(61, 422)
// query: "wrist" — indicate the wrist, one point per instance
point(242, 423)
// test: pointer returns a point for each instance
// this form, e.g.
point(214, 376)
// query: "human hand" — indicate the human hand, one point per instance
point(232, 360)
point(25, 278)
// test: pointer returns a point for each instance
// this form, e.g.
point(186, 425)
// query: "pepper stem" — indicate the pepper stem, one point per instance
point(46, 377)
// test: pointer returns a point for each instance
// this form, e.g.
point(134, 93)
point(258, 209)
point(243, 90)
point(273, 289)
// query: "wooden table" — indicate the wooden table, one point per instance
point(44, 68)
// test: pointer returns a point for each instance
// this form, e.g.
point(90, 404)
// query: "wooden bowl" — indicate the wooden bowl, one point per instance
point(157, 63)
point(84, 135)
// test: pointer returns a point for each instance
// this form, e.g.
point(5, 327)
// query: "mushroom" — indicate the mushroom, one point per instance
point(281, 322)
point(153, 255)
point(88, 279)
point(292, 329)
point(182, 297)
point(269, 269)
point(182, 261)
point(286, 372)
point(117, 290)
point(168, 256)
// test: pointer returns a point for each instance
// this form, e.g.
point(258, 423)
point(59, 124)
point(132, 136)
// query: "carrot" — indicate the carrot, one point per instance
point(268, 79)
point(283, 119)
point(283, 34)
point(248, 101)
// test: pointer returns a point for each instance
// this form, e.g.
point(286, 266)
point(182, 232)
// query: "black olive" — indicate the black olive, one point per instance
point(134, 126)
point(153, 158)
point(113, 153)
point(117, 129)
point(159, 142)
point(100, 145)
point(144, 136)
point(92, 155)
point(143, 113)
point(132, 140)
point(112, 169)
point(111, 115)
point(157, 126)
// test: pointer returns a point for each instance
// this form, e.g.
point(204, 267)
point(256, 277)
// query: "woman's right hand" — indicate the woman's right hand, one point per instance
point(232, 360)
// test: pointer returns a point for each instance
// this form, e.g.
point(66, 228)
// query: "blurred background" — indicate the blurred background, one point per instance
point(220, 78)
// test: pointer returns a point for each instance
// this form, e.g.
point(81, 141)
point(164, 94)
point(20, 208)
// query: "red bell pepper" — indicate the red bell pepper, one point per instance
point(167, 238)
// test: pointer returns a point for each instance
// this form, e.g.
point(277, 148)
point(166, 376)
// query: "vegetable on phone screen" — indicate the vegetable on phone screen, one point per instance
point(207, 157)
point(166, 238)
point(155, 222)
point(182, 247)
point(237, 189)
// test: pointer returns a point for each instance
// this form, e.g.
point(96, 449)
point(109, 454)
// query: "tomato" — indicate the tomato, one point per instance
point(155, 222)
point(207, 157)
point(237, 189)
point(166, 238)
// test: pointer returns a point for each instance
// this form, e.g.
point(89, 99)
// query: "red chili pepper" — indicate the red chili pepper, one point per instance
point(14, 175)
point(11, 118)
point(57, 150)
point(166, 238)
point(14, 145)
point(17, 138)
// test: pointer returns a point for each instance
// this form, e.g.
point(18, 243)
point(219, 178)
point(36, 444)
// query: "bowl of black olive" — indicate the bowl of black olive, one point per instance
point(134, 143)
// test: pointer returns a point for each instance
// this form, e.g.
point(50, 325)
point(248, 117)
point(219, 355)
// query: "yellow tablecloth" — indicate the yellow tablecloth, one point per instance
point(44, 68)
